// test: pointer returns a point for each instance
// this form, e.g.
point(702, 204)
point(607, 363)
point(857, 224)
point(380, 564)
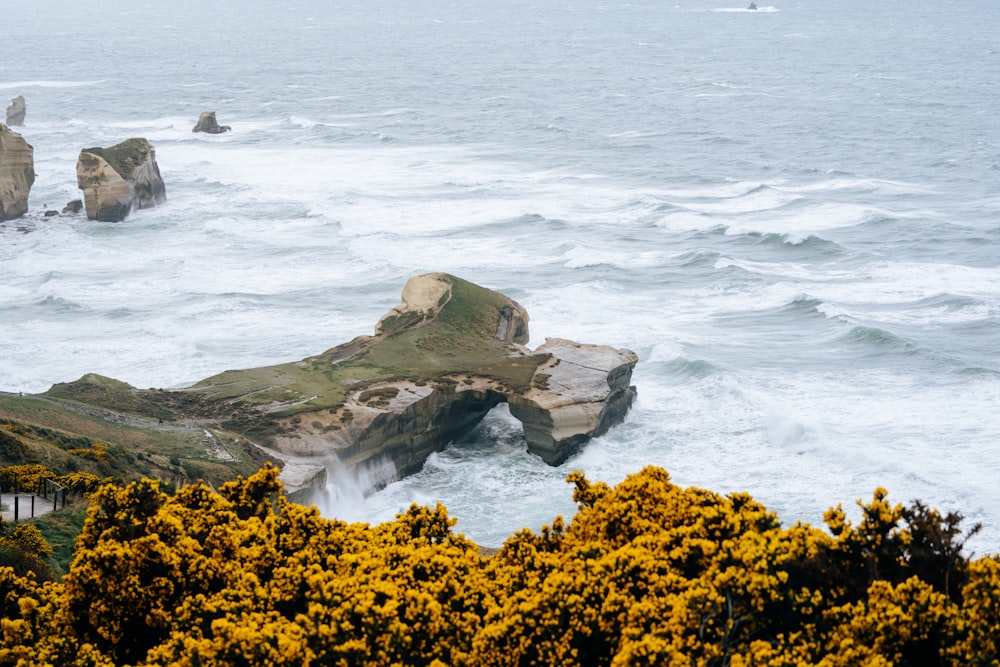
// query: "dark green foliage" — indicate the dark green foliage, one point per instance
point(60, 530)
point(123, 157)
point(893, 543)
point(935, 548)
point(18, 556)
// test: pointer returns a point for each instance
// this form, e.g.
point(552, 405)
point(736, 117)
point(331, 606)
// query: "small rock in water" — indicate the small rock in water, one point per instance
point(208, 124)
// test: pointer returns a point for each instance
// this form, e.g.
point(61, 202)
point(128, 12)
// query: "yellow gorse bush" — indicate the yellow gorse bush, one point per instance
point(25, 477)
point(28, 478)
point(646, 573)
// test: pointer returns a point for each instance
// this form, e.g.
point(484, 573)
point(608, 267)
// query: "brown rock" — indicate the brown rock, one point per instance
point(578, 395)
point(438, 363)
point(378, 406)
point(117, 179)
point(17, 173)
point(207, 123)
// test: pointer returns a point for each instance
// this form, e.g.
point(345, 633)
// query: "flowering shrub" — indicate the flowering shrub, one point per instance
point(98, 452)
point(646, 573)
point(27, 477)
point(24, 551)
point(82, 482)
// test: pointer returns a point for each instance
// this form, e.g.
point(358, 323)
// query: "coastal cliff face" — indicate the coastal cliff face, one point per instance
point(117, 179)
point(581, 392)
point(436, 365)
point(17, 173)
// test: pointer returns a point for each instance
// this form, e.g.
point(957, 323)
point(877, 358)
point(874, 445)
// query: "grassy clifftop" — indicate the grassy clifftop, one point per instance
point(74, 437)
point(450, 329)
point(123, 157)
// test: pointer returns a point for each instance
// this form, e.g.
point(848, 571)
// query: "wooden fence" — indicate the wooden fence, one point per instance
point(28, 503)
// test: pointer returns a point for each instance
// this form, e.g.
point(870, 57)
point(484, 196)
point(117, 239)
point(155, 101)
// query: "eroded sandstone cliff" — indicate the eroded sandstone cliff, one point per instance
point(117, 179)
point(437, 363)
point(17, 173)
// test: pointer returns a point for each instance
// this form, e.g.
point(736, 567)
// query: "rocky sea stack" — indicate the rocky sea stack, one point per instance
point(17, 173)
point(117, 179)
point(16, 111)
point(208, 124)
point(437, 363)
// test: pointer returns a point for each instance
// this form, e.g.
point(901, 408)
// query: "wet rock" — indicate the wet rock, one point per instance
point(437, 364)
point(117, 179)
point(207, 123)
point(581, 392)
point(379, 405)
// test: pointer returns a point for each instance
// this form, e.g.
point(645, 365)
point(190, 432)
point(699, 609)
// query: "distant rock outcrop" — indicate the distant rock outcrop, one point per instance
point(207, 123)
point(16, 111)
point(17, 173)
point(74, 206)
point(117, 179)
point(436, 365)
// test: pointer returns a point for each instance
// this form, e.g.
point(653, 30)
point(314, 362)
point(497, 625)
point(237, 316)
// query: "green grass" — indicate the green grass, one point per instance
point(60, 530)
point(97, 390)
point(123, 157)
point(50, 430)
point(459, 339)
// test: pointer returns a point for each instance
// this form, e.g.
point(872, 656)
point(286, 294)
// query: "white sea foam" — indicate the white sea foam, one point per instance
point(804, 282)
point(23, 85)
point(906, 282)
point(687, 221)
point(744, 10)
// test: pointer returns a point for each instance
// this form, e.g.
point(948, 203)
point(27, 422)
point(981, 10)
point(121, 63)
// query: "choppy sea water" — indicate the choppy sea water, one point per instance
point(791, 215)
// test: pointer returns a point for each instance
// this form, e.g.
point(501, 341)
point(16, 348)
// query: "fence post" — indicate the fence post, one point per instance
point(15, 508)
point(32, 507)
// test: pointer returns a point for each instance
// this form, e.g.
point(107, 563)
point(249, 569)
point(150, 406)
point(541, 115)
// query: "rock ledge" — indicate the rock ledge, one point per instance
point(437, 364)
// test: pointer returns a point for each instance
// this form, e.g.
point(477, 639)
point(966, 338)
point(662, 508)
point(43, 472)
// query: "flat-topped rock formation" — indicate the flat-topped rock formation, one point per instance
point(117, 179)
point(437, 363)
point(17, 173)
point(16, 112)
point(208, 124)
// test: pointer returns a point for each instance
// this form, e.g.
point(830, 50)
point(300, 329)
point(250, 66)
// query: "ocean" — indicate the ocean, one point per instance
point(791, 215)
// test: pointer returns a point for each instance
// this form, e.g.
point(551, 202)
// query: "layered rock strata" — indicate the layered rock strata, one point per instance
point(17, 173)
point(437, 364)
point(207, 123)
point(579, 393)
point(16, 112)
point(118, 179)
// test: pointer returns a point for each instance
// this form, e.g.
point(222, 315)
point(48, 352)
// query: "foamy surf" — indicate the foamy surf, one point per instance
point(799, 247)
